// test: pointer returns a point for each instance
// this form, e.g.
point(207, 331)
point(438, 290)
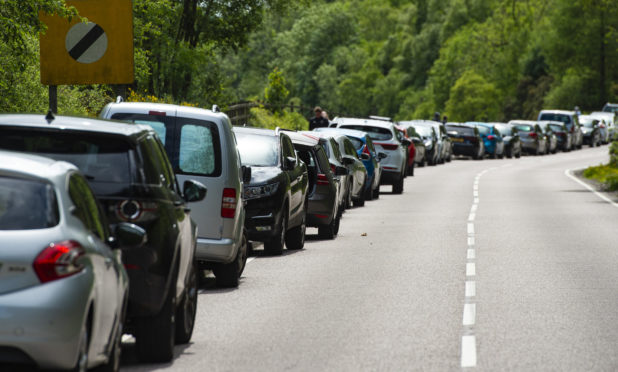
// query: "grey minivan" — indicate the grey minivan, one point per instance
point(201, 146)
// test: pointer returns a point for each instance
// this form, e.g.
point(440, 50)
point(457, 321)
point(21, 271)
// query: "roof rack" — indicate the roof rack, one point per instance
point(383, 118)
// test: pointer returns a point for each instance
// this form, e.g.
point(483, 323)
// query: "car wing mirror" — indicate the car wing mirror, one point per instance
point(193, 191)
point(290, 162)
point(246, 173)
point(127, 235)
point(365, 156)
point(382, 155)
point(341, 171)
point(347, 160)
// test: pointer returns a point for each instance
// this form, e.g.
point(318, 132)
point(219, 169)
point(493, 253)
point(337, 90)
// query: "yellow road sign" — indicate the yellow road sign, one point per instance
point(97, 52)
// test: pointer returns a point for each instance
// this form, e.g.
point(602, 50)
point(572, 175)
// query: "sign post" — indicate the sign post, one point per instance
point(99, 51)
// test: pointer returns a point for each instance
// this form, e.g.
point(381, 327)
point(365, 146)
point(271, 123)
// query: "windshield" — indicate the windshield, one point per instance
point(258, 150)
point(376, 133)
point(27, 204)
point(101, 158)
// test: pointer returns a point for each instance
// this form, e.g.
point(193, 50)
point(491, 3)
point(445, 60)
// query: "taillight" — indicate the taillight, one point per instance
point(602, 126)
point(388, 146)
point(532, 134)
point(157, 113)
point(58, 260)
point(322, 179)
point(491, 137)
point(228, 203)
point(572, 130)
point(333, 169)
point(366, 150)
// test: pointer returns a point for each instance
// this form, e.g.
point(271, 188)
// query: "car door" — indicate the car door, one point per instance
point(104, 261)
point(296, 175)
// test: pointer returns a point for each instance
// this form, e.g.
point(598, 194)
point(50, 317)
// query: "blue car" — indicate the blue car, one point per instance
point(368, 155)
point(492, 139)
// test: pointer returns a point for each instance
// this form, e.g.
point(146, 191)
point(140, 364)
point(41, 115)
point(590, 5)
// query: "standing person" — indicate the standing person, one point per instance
point(318, 121)
point(444, 119)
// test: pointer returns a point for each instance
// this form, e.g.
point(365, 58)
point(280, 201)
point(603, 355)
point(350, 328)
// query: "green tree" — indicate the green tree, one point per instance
point(275, 94)
point(472, 98)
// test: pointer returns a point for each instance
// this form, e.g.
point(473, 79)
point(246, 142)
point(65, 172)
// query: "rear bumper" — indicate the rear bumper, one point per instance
point(465, 149)
point(42, 324)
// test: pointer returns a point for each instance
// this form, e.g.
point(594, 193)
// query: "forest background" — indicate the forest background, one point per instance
point(486, 60)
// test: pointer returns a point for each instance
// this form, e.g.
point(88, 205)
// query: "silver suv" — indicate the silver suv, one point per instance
point(201, 146)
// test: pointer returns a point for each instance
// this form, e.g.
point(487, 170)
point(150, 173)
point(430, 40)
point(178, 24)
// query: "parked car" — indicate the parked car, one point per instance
point(201, 146)
point(564, 137)
point(510, 136)
point(419, 145)
point(322, 195)
point(550, 137)
point(385, 135)
point(569, 118)
point(610, 107)
point(492, 139)
point(276, 194)
point(64, 290)
point(531, 136)
point(441, 139)
point(448, 144)
point(431, 139)
point(466, 140)
point(368, 155)
point(590, 128)
point(341, 153)
point(130, 174)
point(608, 119)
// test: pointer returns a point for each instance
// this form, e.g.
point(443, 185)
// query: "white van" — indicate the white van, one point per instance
point(201, 146)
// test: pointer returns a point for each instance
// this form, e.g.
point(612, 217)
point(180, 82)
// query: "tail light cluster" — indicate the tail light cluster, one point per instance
point(228, 203)
point(491, 137)
point(366, 150)
point(322, 179)
point(388, 146)
point(58, 260)
point(532, 135)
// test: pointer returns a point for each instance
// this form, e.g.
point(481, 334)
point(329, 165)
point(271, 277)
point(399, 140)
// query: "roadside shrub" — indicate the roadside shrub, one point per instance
point(263, 118)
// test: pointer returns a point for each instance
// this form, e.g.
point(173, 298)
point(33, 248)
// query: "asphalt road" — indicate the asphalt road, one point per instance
point(483, 265)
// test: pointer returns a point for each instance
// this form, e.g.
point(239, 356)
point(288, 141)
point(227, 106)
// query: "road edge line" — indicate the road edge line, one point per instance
point(569, 173)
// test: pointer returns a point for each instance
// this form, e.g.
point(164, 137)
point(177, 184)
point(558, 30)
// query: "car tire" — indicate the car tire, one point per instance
point(155, 338)
point(82, 356)
point(295, 237)
point(410, 170)
point(398, 186)
point(187, 309)
point(348, 199)
point(376, 193)
point(274, 246)
point(518, 155)
point(227, 275)
point(329, 231)
point(360, 202)
point(368, 194)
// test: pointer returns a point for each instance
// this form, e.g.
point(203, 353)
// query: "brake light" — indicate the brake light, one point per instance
point(157, 113)
point(491, 137)
point(58, 260)
point(333, 168)
point(366, 150)
point(228, 203)
point(388, 146)
point(532, 134)
point(322, 179)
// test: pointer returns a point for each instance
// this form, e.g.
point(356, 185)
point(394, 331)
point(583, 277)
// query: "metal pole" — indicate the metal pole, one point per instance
point(53, 98)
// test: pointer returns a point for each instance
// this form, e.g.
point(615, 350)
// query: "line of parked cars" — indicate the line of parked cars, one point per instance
point(117, 220)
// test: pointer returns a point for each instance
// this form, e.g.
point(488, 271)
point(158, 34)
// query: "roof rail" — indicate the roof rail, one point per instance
point(119, 99)
point(383, 118)
point(279, 129)
point(215, 108)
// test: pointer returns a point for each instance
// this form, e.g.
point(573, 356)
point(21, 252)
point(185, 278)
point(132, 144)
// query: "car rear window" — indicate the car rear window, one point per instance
point(556, 128)
point(100, 158)
point(504, 129)
point(460, 131)
point(587, 122)
point(524, 128)
point(27, 204)
point(483, 129)
point(423, 131)
point(376, 133)
point(258, 150)
point(556, 117)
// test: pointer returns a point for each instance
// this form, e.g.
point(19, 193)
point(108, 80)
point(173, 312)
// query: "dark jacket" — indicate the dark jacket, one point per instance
point(318, 122)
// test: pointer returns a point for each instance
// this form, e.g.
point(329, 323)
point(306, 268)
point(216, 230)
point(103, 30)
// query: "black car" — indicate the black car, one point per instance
point(466, 140)
point(564, 137)
point(276, 194)
point(512, 142)
point(128, 170)
point(323, 208)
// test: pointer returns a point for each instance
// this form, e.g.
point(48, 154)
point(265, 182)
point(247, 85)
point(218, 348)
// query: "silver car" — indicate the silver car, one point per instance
point(63, 288)
point(201, 146)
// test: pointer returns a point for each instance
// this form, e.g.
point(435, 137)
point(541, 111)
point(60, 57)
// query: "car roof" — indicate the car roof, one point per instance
point(303, 139)
point(419, 122)
point(32, 166)
point(360, 121)
point(527, 122)
point(344, 131)
point(72, 123)
point(562, 112)
point(325, 134)
point(254, 130)
point(190, 110)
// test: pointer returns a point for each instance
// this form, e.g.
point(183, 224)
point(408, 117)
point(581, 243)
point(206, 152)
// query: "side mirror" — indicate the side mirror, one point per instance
point(193, 191)
point(341, 171)
point(365, 156)
point(382, 155)
point(128, 235)
point(246, 173)
point(406, 142)
point(347, 160)
point(416, 140)
point(290, 162)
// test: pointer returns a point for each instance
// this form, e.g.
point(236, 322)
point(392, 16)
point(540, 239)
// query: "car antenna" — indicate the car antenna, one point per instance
point(50, 116)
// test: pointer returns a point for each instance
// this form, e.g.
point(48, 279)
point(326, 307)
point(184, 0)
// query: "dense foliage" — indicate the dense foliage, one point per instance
point(468, 59)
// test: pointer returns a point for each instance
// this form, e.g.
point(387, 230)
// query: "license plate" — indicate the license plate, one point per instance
point(457, 139)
